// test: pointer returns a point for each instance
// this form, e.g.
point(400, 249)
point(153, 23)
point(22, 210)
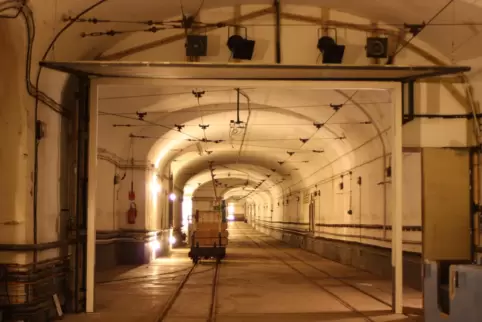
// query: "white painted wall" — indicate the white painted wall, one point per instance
point(107, 197)
point(15, 153)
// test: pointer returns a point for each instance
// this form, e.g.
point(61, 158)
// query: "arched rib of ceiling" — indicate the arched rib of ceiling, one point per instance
point(386, 12)
point(242, 195)
point(255, 168)
point(193, 131)
point(206, 189)
point(242, 175)
point(352, 126)
point(171, 140)
point(175, 140)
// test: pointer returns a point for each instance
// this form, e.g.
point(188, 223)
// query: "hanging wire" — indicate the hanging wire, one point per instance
point(150, 123)
point(24, 11)
point(321, 125)
point(11, 5)
point(424, 26)
point(121, 32)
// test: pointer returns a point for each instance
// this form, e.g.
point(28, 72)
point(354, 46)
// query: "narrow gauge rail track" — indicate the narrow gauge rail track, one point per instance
point(309, 279)
point(212, 307)
point(330, 275)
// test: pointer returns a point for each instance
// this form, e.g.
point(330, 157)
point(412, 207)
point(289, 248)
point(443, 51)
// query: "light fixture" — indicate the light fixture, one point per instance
point(172, 240)
point(172, 196)
point(377, 47)
point(332, 52)
point(196, 45)
point(241, 48)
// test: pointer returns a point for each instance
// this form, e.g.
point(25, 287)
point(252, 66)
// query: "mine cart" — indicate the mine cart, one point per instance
point(209, 234)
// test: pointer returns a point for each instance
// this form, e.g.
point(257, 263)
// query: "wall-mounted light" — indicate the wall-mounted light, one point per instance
point(332, 52)
point(155, 245)
point(172, 240)
point(241, 48)
point(172, 197)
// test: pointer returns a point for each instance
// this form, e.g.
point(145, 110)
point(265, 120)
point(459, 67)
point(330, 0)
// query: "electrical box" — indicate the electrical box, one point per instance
point(196, 45)
point(377, 47)
point(446, 213)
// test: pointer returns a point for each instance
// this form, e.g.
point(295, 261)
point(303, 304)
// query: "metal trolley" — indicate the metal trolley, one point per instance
point(209, 236)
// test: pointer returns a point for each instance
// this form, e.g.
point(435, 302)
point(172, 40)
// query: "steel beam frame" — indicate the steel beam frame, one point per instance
point(91, 195)
point(395, 88)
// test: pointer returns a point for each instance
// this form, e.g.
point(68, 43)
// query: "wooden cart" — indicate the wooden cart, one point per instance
point(209, 236)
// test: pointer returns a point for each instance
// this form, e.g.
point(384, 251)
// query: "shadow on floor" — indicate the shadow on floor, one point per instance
point(105, 275)
point(313, 317)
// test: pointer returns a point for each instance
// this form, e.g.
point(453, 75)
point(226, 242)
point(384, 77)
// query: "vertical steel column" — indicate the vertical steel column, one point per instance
point(79, 228)
point(91, 201)
point(278, 30)
point(397, 181)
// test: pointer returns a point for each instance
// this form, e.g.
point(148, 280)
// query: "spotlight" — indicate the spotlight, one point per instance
point(377, 47)
point(332, 52)
point(241, 48)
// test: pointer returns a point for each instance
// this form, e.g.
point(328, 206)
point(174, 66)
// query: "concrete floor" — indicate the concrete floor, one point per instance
point(261, 279)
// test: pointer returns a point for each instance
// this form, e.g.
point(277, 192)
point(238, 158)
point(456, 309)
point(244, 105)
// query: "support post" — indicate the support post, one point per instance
point(278, 30)
point(91, 195)
point(397, 181)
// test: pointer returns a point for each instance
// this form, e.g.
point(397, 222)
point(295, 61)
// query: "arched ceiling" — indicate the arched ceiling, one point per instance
point(285, 132)
point(460, 13)
point(276, 118)
point(227, 177)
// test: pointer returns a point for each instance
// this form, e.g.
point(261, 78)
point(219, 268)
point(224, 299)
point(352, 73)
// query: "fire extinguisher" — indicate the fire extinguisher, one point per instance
point(132, 213)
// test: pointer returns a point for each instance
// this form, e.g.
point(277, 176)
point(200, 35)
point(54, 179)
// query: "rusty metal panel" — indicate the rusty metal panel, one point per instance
point(446, 204)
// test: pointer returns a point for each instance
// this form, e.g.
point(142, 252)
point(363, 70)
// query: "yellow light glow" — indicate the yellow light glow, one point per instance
point(172, 240)
point(155, 186)
point(188, 190)
point(155, 245)
point(164, 151)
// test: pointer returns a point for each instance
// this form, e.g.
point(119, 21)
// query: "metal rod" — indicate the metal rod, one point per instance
point(237, 106)
point(214, 291)
point(165, 310)
point(170, 39)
